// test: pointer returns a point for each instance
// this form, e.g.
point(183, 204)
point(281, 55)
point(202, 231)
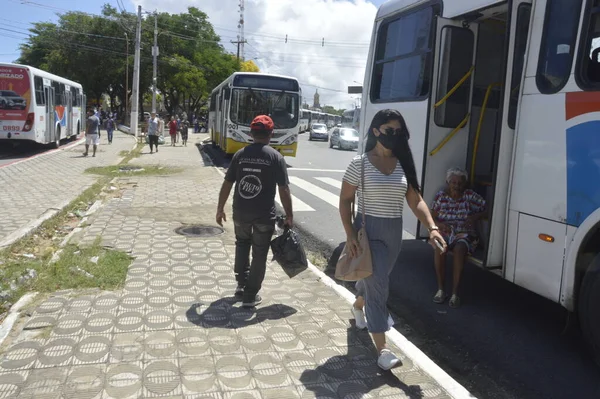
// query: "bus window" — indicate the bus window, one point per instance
point(403, 57)
point(213, 102)
point(456, 63)
point(38, 84)
point(523, 19)
point(558, 41)
point(588, 72)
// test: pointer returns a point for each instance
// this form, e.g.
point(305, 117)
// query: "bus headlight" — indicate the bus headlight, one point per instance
point(235, 136)
point(289, 140)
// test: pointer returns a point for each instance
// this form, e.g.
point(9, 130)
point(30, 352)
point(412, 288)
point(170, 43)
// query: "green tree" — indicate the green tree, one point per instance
point(92, 50)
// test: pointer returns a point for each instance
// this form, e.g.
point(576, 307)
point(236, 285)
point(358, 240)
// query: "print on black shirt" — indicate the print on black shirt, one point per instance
point(257, 170)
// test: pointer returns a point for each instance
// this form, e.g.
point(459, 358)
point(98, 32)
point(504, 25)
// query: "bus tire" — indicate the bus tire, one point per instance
point(76, 136)
point(56, 143)
point(589, 307)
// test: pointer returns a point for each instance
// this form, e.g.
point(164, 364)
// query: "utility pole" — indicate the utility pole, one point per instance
point(155, 56)
point(135, 92)
point(238, 47)
point(126, 77)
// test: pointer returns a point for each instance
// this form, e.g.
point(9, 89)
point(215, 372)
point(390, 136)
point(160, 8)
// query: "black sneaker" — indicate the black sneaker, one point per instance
point(239, 291)
point(253, 302)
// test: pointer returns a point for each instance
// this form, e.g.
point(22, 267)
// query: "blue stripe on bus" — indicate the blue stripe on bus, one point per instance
point(583, 171)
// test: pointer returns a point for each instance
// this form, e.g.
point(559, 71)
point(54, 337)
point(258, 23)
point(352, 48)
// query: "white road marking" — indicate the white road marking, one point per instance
point(332, 182)
point(317, 191)
point(297, 204)
point(291, 169)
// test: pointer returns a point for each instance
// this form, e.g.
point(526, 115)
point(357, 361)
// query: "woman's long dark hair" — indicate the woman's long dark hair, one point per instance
point(402, 150)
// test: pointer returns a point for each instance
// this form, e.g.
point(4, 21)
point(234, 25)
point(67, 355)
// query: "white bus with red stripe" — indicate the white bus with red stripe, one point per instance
point(38, 106)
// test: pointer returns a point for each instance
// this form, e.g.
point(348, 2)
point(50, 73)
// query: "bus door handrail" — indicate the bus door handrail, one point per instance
point(452, 133)
point(456, 86)
point(463, 123)
point(479, 126)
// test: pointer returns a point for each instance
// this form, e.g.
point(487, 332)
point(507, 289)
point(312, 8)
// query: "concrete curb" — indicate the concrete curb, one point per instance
point(13, 315)
point(456, 390)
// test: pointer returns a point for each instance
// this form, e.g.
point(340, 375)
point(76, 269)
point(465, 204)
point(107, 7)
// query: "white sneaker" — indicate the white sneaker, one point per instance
point(359, 318)
point(387, 360)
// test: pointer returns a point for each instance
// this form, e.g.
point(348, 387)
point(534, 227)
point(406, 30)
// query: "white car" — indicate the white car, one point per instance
point(344, 138)
point(319, 131)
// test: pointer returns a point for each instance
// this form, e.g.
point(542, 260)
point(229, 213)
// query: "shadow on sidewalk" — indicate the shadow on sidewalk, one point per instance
point(224, 313)
point(356, 373)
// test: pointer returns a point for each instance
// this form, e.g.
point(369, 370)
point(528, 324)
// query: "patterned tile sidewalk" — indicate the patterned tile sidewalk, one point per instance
point(175, 331)
point(31, 188)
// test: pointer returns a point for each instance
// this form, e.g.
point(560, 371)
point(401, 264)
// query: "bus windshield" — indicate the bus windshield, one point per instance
point(282, 107)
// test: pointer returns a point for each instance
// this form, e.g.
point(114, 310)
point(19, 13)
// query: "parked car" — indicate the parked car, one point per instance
point(344, 139)
point(10, 99)
point(319, 131)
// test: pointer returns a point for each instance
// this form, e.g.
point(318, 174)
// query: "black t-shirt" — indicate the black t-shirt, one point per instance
point(257, 170)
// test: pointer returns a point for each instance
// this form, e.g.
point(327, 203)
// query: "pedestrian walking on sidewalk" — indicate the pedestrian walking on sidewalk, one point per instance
point(383, 176)
point(185, 128)
point(153, 131)
point(256, 170)
point(173, 130)
point(91, 133)
point(110, 128)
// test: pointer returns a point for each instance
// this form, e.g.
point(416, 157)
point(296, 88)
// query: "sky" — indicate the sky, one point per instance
point(326, 50)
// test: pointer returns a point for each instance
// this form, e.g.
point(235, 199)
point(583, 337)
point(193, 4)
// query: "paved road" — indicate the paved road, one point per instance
point(504, 342)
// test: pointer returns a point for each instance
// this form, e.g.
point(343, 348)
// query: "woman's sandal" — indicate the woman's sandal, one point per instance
point(454, 301)
point(439, 297)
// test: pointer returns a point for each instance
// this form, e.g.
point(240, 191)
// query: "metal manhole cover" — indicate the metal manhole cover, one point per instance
point(199, 231)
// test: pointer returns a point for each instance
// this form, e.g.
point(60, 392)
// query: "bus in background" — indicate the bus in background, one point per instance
point(351, 118)
point(241, 97)
point(38, 106)
point(510, 91)
point(304, 120)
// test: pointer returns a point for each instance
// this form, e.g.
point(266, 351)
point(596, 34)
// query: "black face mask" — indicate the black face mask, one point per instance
point(388, 141)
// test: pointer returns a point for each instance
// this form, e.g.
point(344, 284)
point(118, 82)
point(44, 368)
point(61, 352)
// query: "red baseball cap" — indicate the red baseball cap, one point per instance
point(262, 122)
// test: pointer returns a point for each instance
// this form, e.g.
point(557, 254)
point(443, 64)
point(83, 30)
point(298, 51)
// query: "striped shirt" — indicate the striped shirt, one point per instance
point(384, 194)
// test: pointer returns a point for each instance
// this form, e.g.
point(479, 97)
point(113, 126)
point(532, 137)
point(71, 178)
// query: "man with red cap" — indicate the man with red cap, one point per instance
point(256, 171)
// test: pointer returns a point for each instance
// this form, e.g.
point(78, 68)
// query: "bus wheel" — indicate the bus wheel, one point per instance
point(56, 143)
point(589, 307)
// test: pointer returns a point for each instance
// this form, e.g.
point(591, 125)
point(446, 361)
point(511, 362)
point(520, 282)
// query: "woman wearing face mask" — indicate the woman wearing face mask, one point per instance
point(389, 178)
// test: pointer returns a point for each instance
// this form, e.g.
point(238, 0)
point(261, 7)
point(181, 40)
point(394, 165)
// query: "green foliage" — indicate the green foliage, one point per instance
point(93, 50)
point(331, 110)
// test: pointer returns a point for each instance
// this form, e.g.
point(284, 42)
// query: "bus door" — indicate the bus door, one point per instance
point(449, 117)
point(69, 110)
point(49, 116)
point(518, 35)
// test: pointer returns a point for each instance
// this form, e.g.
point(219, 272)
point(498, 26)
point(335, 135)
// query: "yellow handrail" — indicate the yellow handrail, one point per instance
point(456, 86)
point(479, 126)
point(452, 133)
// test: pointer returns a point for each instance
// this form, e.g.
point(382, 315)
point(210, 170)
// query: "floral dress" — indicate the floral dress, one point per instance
point(454, 213)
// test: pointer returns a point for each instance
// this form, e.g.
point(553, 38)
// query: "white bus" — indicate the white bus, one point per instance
point(509, 90)
point(243, 96)
point(38, 106)
point(351, 118)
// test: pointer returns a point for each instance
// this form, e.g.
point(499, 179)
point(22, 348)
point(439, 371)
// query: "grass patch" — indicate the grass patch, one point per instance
point(146, 170)
point(77, 268)
point(135, 153)
point(317, 259)
point(124, 153)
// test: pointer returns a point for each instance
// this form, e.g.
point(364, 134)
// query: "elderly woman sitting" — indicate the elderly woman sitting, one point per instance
point(456, 210)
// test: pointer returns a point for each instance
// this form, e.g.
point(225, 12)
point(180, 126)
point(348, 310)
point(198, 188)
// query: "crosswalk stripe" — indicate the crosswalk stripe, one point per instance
point(297, 204)
point(331, 181)
point(317, 191)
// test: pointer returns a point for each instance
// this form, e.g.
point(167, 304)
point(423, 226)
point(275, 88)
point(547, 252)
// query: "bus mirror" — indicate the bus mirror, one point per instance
point(227, 93)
